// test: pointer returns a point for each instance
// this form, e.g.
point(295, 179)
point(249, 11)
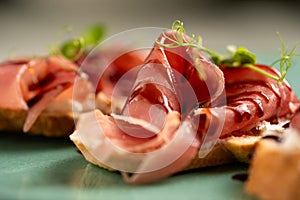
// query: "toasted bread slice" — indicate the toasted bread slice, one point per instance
point(274, 172)
point(48, 123)
point(229, 150)
point(237, 148)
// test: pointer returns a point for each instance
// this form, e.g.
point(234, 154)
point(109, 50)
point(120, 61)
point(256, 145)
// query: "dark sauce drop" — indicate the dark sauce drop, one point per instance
point(240, 177)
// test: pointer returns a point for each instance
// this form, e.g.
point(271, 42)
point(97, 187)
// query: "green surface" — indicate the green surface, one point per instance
point(45, 168)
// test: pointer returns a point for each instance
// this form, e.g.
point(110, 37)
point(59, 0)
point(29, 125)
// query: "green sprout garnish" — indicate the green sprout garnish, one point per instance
point(74, 48)
point(237, 57)
point(285, 60)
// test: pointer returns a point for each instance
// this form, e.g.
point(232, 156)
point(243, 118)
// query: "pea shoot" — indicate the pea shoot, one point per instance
point(237, 57)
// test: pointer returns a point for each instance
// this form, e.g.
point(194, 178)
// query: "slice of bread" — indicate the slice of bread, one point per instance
point(229, 150)
point(48, 123)
point(237, 148)
point(274, 173)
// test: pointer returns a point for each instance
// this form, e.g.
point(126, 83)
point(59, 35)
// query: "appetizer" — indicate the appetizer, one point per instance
point(188, 107)
point(37, 93)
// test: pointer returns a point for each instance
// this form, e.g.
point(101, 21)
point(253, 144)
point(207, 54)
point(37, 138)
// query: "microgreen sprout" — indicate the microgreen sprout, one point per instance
point(73, 49)
point(237, 57)
point(285, 60)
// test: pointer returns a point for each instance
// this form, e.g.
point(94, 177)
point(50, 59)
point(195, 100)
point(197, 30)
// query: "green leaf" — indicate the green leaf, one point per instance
point(94, 34)
point(74, 48)
point(243, 56)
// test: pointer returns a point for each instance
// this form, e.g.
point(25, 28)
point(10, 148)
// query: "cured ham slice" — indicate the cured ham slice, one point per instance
point(14, 89)
point(191, 65)
point(105, 68)
point(160, 90)
point(34, 83)
point(250, 99)
point(295, 121)
point(168, 81)
point(285, 96)
point(141, 156)
point(265, 96)
point(37, 108)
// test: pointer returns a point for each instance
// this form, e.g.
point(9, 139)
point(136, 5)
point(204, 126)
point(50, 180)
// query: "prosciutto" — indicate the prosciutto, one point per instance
point(295, 121)
point(32, 84)
point(250, 99)
point(106, 67)
point(179, 105)
point(146, 138)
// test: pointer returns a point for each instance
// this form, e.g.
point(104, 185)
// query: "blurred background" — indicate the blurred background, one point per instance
point(31, 26)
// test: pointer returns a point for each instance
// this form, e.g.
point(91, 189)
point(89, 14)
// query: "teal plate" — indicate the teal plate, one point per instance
point(33, 167)
point(43, 168)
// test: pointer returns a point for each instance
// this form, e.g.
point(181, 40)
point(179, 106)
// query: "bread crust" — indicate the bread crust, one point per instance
point(228, 150)
point(48, 123)
point(274, 172)
point(217, 156)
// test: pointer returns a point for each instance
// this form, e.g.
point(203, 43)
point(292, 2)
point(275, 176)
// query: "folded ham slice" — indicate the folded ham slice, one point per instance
point(160, 90)
point(31, 84)
point(250, 99)
point(148, 158)
point(16, 76)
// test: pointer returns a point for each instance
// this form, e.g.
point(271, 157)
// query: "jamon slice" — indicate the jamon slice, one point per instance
point(29, 87)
